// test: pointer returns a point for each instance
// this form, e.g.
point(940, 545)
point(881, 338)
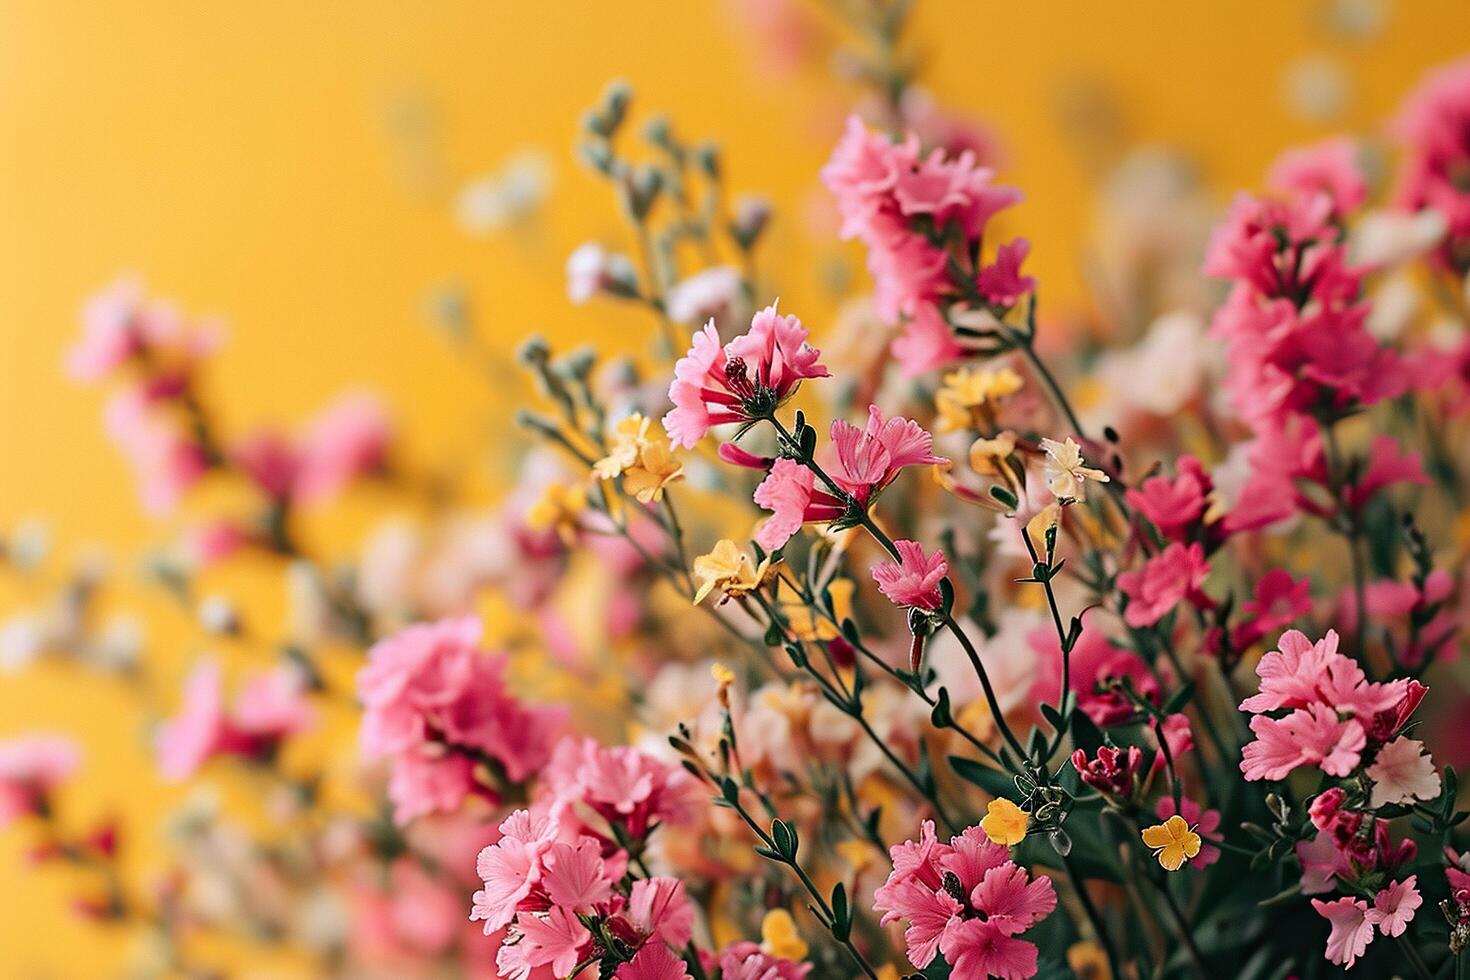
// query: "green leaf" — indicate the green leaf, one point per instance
point(1004, 497)
point(941, 717)
point(1179, 699)
point(993, 781)
point(841, 913)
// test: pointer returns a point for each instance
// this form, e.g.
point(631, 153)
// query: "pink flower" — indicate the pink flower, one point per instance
point(1303, 673)
point(111, 334)
point(866, 461)
point(511, 868)
point(166, 461)
point(31, 769)
point(1329, 168)
point(654, 961)
point(926, 343)
point(1351, 931)
point(1001, 282)
point(1394, 905)
point(575, 876)
point(554, 938)
point(659, 907)
point(198, 731)
point(270, 461)
point(1432, 125)
point(1174, 505)
point(914, 579)
point(888, 195)
point(1206, 823)
point(620, 783)
point(434, 704)
point(976, 935)
point(1165, 580)
point(269, 707)
point(1278, 600)
point(746, 961)
point(1308, 736)
point(1322, 863)
point(348, 439)
point(747, 379)
point(1402, 772)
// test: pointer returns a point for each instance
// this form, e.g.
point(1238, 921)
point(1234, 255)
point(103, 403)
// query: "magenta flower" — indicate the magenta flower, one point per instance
point(1174, 505)
point(975, 921)
point(1113, 770)
point(620, 783)
point(31, 769)
point(914, 579)
point(747, 379)
point(1165, 580)
point(269, 708)
point(1001, 282)
point(1096, 665)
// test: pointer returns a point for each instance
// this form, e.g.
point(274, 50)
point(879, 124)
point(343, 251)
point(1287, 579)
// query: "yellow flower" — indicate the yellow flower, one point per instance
point(857, 853)
point(807, 624)
point(779, 937)
point(888, 972)
point(1088, 961)
point(987, 455)
point(969, 388)
point(723, 675)
point(558, 508)
point(1173, 841)
point(1065, 475)
point(1004, 823)
point(641, 454)
point(728, 568)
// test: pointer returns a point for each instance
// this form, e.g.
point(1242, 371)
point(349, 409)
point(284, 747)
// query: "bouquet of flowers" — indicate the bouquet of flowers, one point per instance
point(949, 642)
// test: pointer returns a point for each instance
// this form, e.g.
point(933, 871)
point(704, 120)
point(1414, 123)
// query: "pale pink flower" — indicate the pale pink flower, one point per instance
point(198, 731)
point(926, 344)
point(659, 907)
point(1351, 930)
point(1402, 772)
point(708, 295)
point(554, 938)
point(575, 876)
point(914, 579)
point(587, 272)
point(31, 769)
point(270, 461)
point(1394, 905)
point(272, 705)
point(1432, 125)
point(111, 334)
point(1303, 673)
point(749, 378)
point(166, 461)
point(1308, 736)
point(511, 867)
point(1322, 863)
point(654, 961)
point(1167, 579)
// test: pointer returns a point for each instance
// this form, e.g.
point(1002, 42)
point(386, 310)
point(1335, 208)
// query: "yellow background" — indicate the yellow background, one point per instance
point(253, 160)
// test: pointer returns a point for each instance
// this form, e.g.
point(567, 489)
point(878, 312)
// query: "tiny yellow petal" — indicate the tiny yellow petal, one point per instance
point(723, 675)
point(779, 937)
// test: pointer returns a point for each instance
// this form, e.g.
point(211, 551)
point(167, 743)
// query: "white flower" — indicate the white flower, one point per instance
point(1384, 238)
point(1402, 773)
point(706, 295)
point(586, 272)
point(1066, 477)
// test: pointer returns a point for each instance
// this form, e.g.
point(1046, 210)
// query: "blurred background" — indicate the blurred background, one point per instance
point(326, 177)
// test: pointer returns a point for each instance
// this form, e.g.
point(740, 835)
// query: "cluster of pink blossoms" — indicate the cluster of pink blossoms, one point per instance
point(967, 900)
point(269, 708)
point(438, 708)
point(1432, 127)
point(346, 440)
point(1334, 714)
point(922, 218)
point(1299, 350)
point(551, 875)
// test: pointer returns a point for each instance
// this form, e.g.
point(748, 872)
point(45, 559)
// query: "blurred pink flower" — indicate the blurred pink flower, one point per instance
point(31, 768)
